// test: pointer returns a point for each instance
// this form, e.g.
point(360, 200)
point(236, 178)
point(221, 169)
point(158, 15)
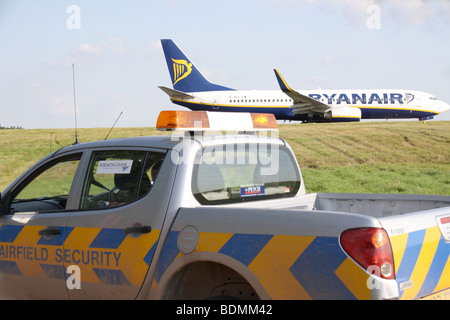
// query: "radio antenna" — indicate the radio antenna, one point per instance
point(75, 104)
point(113, 125)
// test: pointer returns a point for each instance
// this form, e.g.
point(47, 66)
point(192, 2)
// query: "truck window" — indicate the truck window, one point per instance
point(48, 189)
point(237, 173)
point(119, 177)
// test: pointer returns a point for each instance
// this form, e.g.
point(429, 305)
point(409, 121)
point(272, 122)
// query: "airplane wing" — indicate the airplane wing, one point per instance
point(175, 93)
point(302, 104)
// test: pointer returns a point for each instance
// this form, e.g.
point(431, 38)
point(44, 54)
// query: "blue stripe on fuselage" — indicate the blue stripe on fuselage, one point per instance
point(382, 113)
point(286, 112)
point(279, 112)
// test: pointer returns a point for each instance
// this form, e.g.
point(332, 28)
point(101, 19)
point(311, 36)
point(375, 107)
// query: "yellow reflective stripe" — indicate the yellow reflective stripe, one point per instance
point(212, 242)
point(423, 263)
point(398, 244)
point(354, 278)
point(29, 237)
point(133, 252)
point(444, 281)
point(81, 238)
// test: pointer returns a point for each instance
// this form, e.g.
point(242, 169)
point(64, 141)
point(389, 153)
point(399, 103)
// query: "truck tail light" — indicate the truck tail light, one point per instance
point(371, 249)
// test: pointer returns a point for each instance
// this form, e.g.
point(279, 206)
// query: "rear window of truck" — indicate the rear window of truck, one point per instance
point(236, 173)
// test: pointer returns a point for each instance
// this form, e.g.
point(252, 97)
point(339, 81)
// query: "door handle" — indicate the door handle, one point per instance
point(49, 232)
point(137, 229)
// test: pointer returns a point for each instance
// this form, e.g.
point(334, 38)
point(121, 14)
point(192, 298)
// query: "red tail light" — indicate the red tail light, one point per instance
point(371, 249)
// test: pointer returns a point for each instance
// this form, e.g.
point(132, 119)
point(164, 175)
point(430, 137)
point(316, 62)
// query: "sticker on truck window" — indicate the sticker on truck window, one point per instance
point(252, 191)
point(114, 167)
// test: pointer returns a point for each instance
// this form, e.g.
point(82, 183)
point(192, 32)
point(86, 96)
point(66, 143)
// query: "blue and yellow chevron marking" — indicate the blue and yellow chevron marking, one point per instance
point(104, 255)
point(422, 262)
point(289, 267)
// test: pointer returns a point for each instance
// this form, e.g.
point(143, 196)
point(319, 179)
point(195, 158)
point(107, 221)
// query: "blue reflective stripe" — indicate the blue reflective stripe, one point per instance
point(437, 267)
point(108, 276)
point(245, 247)
point(9, 233)
point(315, 270)
point(54, 271)
point(412, 251)
point(9, 267)
point(168, 254)
point(148, 257)
point(108, 239)
point(56, 240)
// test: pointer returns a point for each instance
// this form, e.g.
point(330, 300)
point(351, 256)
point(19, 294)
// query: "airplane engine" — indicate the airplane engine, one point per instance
point(344, 114)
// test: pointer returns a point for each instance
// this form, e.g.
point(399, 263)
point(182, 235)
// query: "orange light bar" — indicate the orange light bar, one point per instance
point(217, 121)
point(264, 121)
point(171, 120)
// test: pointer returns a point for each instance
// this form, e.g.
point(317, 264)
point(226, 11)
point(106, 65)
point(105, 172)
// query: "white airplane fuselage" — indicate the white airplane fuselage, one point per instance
point(374, 104)
point(192, 90)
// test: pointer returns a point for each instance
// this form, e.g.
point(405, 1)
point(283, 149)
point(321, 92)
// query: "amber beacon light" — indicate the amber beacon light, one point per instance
point(217, 121)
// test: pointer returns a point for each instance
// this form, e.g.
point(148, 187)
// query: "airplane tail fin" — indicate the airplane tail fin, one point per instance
point(283, 84)
point(185, 76)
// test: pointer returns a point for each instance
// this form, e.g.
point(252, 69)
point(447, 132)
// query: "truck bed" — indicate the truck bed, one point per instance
point(374, 205)
point(379, 205)
point(412, 222)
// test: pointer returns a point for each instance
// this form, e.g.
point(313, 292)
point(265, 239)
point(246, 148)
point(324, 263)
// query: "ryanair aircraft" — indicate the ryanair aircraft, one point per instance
point(192, 90)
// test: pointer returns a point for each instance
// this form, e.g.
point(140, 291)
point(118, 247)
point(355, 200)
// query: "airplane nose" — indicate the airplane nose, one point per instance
point(444, 106)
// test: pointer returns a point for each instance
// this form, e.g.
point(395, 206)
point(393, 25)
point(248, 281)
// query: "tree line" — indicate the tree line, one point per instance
point(11, 127)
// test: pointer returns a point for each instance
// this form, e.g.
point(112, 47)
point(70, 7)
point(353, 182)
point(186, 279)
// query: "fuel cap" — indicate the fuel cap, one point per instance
point(187, 239)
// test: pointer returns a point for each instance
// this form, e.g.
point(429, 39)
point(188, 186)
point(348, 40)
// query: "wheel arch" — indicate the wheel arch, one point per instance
point(206, 275)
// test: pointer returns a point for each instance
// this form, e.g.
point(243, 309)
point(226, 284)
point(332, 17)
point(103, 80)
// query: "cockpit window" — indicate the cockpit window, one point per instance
point(237, 173)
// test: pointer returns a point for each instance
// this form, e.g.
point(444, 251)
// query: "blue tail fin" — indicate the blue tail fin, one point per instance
point(185, 76)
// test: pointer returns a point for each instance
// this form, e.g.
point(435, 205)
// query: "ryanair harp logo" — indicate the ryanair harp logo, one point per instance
point(181, 69)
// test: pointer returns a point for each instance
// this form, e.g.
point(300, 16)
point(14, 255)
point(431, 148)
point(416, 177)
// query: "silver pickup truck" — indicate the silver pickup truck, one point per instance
point(205, 215)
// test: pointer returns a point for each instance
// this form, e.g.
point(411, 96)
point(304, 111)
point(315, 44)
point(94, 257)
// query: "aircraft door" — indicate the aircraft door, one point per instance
point(215, 105)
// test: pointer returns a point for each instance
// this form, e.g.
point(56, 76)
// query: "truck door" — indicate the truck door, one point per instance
point(117, 226)
point(33, 229)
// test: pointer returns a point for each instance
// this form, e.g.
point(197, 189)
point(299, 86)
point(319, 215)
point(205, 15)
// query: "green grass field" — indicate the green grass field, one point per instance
point(375, 157)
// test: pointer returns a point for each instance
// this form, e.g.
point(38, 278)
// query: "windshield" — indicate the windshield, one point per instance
point(237, 173)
